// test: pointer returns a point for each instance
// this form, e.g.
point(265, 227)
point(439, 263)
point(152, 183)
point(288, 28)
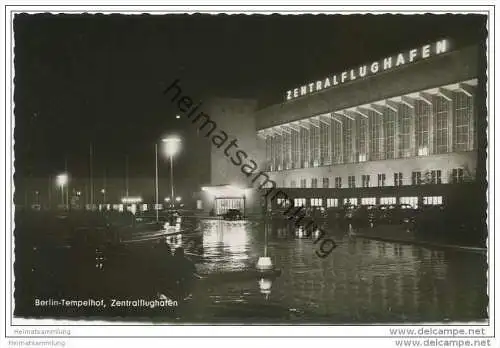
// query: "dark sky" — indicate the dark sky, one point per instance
point(100, 78)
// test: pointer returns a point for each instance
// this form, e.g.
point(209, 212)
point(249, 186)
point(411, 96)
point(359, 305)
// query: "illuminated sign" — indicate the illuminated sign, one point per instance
point(376, 67)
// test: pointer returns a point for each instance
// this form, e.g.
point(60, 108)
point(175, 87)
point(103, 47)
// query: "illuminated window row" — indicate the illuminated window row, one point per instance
point(434, 176)
point(418, 125)
point(406, 201)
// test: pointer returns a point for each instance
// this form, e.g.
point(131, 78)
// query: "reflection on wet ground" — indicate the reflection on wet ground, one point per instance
point(361, 281)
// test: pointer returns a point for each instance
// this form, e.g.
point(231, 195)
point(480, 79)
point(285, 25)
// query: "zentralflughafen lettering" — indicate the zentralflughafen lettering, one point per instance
point(376, 67)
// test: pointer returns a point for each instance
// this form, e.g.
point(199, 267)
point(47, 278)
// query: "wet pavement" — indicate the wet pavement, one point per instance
point(361, 281)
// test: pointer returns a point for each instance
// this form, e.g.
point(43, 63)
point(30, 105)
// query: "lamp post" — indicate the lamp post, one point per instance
point(172, 146)
point(62, 180)
point(156, 182)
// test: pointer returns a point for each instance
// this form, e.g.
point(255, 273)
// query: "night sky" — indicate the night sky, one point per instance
point(82, 79)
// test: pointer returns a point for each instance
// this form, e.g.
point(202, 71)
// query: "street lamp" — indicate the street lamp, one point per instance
point(172, 146)
point(178, 199)
point(103, 191)
point(61, 181)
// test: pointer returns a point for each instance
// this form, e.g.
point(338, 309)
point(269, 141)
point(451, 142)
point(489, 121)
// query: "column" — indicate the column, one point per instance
point(396, 130)
point(432, 132)
point(354, 135)
point(473, 123)
point(446, 94)
point(413, 147)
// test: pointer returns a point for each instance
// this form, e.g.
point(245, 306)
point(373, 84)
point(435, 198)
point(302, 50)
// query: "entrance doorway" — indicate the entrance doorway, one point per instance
point(222, 205)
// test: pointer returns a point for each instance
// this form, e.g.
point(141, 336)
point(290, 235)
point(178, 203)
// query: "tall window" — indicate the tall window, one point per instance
point(326, 182)
point(304, 144)
point(351, 201)
point(376, 136)
point(462, 137)
point(413, 201)
point(457, 175)
point(404, 115)
point(432, 200)
point(299, 202)
point(365, 180)
point(278, 152)
point(337, 142)
point(381, 180)
point(416, 178)
point(389, 132)
point(269, 159)
point(315, 149)
point(287, 150)
point(283, 202)
point(398, 179)
point(295, 149)
point(442, 109)
point(325, 143)
point(368, 201)
point(422, 126)
point(435, 176)
point(362, 139)
point(338, 182)
point(351, 181)
point(293, 184)
point(316, 202)
point(314, 182)
point(332, 202)
point(347, 140)
point(303, 183)
point(387, 200)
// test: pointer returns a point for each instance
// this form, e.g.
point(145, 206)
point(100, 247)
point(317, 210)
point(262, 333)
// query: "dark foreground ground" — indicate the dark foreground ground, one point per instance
point(361, 281)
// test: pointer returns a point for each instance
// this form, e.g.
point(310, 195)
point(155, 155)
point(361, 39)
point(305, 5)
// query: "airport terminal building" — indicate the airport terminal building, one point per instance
point(403, 129)
point(368, 134)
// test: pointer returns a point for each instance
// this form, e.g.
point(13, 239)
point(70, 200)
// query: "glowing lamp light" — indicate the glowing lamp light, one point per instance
point(178, 199)
point(167, 199)
point(265, 286)
point(178, 116)
point(131, 200)
point(62, 179)
point(264, 263)
point(172, 145)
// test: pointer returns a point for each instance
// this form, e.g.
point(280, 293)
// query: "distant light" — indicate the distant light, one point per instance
point(178, 116)
point(172, 145)
point(62, 179)
point(167, 199)
point(264, 263)
point(204, 188)
point(78, 193)
point(131, 200)
point(265, 284)
point(103, 191)
point(178, 199)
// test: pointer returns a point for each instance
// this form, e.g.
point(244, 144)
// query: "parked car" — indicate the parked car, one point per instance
point(232, 214)
point(396, 214)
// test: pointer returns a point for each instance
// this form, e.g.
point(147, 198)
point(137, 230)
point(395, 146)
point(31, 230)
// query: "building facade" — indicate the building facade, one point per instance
point(400, 130)
point(230, 124)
